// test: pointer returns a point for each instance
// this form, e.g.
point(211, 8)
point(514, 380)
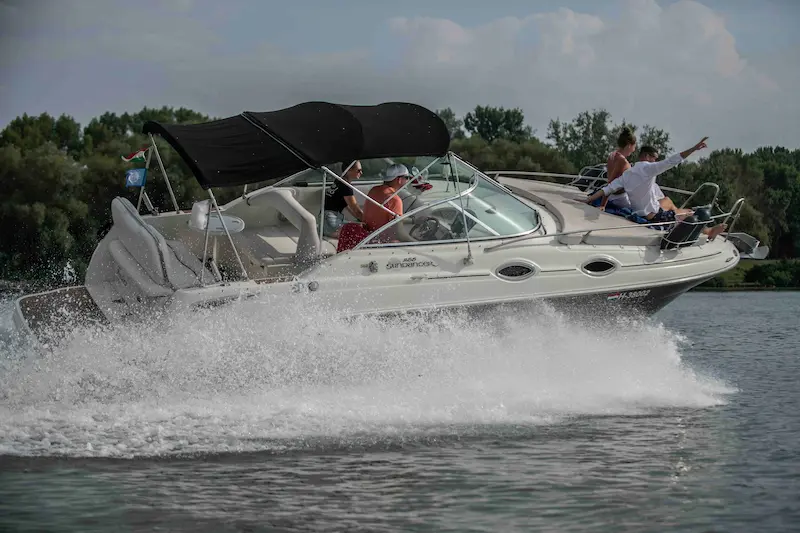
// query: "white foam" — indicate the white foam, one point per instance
point(250, 377)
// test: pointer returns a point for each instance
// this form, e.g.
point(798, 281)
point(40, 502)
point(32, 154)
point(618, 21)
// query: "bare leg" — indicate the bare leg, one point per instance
point(668, 205)
point(713, 232)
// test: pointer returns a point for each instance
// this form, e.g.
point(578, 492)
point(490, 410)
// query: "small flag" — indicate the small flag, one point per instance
point(136, 157)
point(135, 177)
point(614, 296)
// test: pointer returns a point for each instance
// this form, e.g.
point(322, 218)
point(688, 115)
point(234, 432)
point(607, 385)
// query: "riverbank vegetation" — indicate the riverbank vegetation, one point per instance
point(57, 179)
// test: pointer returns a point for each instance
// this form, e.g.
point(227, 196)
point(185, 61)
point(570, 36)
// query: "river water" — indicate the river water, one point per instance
point(256, 419)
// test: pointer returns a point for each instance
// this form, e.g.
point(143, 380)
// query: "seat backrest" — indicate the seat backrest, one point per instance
point(141, 240)
point(167, 264)
point(308, 244)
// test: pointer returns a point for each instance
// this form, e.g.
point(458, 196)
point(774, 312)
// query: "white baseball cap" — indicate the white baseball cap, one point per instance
point(394, 171)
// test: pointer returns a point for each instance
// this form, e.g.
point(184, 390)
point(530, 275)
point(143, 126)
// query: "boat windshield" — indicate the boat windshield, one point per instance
point(432, 208)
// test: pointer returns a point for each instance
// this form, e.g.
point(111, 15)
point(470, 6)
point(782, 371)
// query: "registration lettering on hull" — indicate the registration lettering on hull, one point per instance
point(628, 295)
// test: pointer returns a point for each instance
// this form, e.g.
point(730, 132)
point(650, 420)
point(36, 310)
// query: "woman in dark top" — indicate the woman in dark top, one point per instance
point(337, 198)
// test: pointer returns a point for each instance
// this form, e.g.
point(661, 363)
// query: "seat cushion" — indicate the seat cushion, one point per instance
point(280, 243)
point(183, 267)
point(132, 271)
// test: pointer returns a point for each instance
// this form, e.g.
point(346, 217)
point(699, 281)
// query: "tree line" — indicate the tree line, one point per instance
point(57, 179)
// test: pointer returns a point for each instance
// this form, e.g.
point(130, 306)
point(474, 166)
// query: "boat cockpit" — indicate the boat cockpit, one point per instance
point(277, 230)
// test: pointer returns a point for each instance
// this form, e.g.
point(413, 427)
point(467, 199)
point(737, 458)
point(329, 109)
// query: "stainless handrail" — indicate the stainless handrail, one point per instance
point(737, 207)
point(703, 185)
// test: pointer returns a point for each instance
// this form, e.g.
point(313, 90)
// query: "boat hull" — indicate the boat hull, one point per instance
point(49, 315)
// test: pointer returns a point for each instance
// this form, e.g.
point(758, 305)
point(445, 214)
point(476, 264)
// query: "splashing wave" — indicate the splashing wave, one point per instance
point(251, 377)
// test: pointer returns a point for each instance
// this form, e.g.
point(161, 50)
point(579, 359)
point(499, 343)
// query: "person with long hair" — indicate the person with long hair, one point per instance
point(617, 164)
point(639, 182)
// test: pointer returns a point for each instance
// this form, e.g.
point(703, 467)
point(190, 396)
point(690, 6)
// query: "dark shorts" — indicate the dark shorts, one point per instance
point(663, 216)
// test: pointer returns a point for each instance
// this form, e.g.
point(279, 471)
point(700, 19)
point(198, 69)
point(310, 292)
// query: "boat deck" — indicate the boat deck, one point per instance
point(592, 226)
point(60, 309)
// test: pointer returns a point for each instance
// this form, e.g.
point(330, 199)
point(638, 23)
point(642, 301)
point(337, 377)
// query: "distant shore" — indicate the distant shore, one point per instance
point(743, 289)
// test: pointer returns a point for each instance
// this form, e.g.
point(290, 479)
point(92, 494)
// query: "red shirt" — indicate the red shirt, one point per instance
point(374, 216)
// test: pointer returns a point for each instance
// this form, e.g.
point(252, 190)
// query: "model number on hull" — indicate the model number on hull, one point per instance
point(409, 262)
point(628, 295)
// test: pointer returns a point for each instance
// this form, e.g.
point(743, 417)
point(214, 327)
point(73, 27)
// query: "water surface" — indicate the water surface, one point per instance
point(255, 419)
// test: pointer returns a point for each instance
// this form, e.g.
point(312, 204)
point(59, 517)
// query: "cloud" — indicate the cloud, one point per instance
point(675, 67)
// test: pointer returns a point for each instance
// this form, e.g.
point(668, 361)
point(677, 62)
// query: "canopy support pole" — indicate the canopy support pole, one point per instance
point(414, 177)
point(366, 197)
point(164, 173)
point(205, 253)
point(141, 189)
point(322, 215)
point(228, 233)
point(467, 260)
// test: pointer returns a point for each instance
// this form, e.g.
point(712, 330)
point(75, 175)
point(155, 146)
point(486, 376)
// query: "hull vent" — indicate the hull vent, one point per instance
point(598, 267)
point(516, 271)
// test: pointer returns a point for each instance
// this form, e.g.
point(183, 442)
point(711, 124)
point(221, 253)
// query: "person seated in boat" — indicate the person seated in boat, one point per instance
point(617, 164)
point(639, 182)
point(374, 217)
point(339, 197)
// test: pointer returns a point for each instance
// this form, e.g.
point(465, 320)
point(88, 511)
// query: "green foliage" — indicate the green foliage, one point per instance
point(775, 274)
point(531, 155)
point(590, 137)
point(453, 123)
point(41, 203)
point(28, 132)
point(492, 123)
point(57, 180)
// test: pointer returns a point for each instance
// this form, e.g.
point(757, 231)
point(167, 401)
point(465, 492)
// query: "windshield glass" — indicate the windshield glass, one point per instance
point(433, 210)
point(499, 211)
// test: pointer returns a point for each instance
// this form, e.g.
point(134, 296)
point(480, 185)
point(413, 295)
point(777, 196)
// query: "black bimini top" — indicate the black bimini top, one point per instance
point(259, 146)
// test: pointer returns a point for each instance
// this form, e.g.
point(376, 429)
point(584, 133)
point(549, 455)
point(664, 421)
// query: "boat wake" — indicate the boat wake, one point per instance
point(250, 378)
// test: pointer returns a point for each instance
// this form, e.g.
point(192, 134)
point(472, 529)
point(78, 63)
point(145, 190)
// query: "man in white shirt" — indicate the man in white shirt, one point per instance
point(644, 194)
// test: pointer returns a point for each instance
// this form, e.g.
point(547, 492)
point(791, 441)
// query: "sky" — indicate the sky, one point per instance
point(727, 69)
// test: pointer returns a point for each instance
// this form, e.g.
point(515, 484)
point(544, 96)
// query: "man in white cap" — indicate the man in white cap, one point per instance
point(394, 178)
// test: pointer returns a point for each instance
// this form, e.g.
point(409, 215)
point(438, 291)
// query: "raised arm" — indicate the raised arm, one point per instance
point(659, 167)
point(611, 188)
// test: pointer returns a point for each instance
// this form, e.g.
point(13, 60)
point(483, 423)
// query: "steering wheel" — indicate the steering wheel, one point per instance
point(425, 230)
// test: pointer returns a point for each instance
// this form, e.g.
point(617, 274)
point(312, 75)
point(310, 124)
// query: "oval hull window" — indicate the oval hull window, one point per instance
point(515, 271)
point(598, 267)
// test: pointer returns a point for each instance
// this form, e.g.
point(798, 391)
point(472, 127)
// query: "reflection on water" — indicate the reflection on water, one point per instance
point(541, 424)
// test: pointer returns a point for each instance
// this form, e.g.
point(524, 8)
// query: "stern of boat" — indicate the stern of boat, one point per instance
point(51, 313)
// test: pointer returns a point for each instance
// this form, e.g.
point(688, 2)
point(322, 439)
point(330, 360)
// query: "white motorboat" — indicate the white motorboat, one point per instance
point(466, 238)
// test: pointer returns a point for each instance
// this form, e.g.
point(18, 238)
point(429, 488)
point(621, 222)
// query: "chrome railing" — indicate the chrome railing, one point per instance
point(584, 182)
